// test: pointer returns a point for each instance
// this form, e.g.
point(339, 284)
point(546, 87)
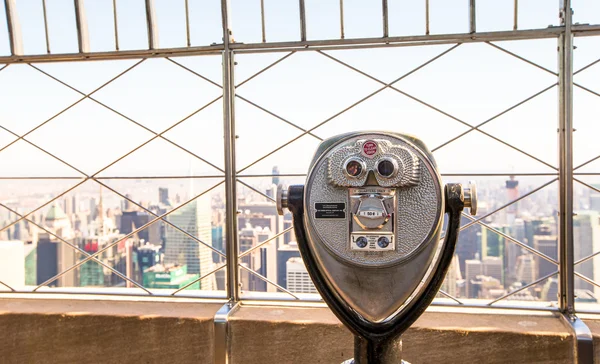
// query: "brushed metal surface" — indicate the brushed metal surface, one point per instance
point(418, 211)
point(377, 285)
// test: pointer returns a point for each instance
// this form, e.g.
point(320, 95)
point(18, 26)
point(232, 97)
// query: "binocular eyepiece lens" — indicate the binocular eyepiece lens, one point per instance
point(354, 168)
point(386, 168)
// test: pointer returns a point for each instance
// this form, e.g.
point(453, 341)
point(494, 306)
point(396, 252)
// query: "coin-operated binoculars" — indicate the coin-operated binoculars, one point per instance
point(368, 224)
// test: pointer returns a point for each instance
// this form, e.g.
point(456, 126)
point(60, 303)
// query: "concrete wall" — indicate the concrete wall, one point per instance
point(99, 330)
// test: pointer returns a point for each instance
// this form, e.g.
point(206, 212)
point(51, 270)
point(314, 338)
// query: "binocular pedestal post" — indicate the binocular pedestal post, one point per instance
point(385, 351)
point(369, 229)
point(388, 349)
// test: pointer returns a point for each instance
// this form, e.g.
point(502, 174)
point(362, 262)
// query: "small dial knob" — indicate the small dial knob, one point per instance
point(383, 242)
point(361, 242)
point(470, 197)
point(282, 199)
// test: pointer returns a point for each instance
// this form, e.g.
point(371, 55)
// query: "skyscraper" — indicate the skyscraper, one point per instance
point(12, 264)
point(550, 290)
point(526, 269)
point(58, 222)
point(132, 220)
point(512, 193)
point(548, 245)
point(163, 196)
point(530, 229)
point(450, 283)
point(493, 267)
point(194, 218)
point(54, 256)
point(512, 251)
point(275, 172)
point(93, 210)
point(148, 256)
point(68, 206)
point(586, 239)
point(284, 253)
point(469, 244)
point(91, 273)
point(298, 280)
point(486, 287)
point(249, 238)
point(217, 242)
point(473, 268)
point(126, 205)
point(492, 243)
point(264, 214)
point(595, 199)
point(74, 205)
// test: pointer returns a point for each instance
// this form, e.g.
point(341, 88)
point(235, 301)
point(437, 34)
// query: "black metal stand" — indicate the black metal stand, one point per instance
point(387, 351)
point(379, 343)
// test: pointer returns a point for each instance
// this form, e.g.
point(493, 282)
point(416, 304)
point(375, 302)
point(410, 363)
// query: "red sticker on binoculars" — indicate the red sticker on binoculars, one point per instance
point(369, 148)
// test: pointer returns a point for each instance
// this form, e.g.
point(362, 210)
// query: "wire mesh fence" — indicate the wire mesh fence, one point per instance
point(140, 141)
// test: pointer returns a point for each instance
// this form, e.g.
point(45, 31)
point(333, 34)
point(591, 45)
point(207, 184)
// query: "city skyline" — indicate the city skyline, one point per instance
point(487, 248)
point(160, 125)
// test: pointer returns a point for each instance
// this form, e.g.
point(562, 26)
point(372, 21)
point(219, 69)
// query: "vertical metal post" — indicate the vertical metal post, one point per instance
point(14, 28)
point(583, 350)
point(83, 39)
point(115, 22)
point(386, 21)
point(262, 21)
point(187, 23)
point(233, 287)
point(342, 35)
point(516, 15)
point(46, 26)
point(222, 333)
point(427, 17)
point(302, 20)
point(152, 26)
point(472, 17)
point(565, 144)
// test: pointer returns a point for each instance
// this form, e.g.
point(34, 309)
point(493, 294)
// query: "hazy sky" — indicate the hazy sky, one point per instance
point(473, 83)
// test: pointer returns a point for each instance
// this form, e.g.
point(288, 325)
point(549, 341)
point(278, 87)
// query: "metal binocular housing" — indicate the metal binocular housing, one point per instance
point(368, 223)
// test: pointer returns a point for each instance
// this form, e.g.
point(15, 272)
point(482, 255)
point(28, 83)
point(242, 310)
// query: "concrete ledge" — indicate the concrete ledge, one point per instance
point(99, 331)
point(126, 330)
point(313, 335)
point(288, 335)
point(594, 326)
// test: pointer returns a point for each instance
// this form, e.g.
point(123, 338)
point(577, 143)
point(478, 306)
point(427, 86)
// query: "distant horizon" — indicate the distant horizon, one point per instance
point(480, 107)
